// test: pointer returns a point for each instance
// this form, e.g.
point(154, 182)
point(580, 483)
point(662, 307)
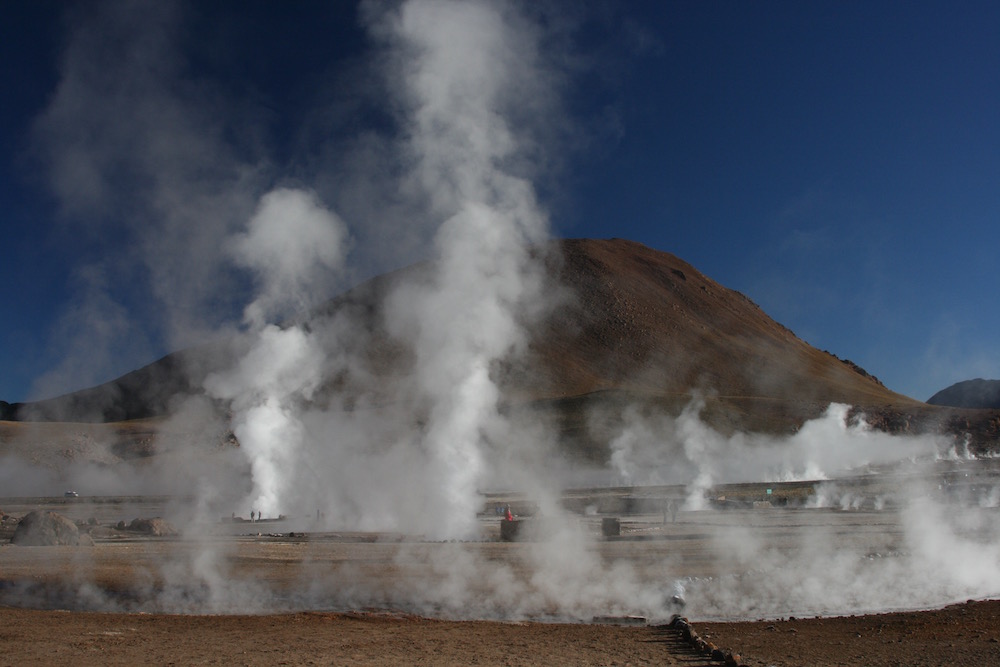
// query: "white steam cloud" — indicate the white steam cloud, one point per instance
point(297, 247)
point(685, 450)
point(282, 369)
point(456, 68)
point(461, 62)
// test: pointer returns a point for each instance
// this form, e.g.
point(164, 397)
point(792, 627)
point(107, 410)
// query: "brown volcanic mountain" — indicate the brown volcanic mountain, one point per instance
point(635, 326)
point(645, 321)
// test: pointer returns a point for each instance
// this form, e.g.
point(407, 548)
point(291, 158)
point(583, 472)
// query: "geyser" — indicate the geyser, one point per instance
point(469, 90)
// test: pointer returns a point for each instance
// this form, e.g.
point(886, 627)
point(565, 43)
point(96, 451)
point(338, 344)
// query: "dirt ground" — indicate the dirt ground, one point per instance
point(40, 637)
point(46, 618)
point(964, 634)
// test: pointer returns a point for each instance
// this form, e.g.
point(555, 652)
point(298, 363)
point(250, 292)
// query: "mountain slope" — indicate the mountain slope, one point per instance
point(147, 392)
point(629, 326)
point(978, 393)
point(646, 321)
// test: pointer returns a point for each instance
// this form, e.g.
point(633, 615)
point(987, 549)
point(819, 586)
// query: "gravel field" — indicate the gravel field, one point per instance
point(757, 581)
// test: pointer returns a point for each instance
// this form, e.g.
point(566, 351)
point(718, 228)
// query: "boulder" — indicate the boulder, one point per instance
point(44, 528)
point(156, 527)
point(510, 531)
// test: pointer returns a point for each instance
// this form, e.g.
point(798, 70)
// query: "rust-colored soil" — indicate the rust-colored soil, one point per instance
point(53, 637)
point(964, 634)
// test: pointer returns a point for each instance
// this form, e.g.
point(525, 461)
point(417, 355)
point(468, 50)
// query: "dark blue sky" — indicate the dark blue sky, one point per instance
point(837, 162)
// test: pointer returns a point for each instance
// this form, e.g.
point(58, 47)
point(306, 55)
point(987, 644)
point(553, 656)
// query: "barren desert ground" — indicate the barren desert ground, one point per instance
point(769, 584)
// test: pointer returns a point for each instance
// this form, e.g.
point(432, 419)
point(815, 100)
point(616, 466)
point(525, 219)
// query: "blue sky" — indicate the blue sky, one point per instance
point(837, 162)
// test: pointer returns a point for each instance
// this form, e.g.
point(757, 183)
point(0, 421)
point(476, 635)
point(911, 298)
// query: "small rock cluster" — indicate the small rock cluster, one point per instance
point(704, 647)
point(8, 524)
point(156, 527)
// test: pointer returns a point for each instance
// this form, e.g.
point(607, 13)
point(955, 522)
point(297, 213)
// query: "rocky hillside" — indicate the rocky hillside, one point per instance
point(978, 393)
point(147, 392)
point(631, 325)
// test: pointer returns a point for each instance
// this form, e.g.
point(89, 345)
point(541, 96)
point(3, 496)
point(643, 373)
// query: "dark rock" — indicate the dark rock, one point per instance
point(510, 531)
point(978, 393)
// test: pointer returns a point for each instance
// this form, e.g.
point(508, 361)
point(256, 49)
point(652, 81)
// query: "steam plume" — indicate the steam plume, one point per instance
point(461, 63)
point(471, 87)
point(459, 67)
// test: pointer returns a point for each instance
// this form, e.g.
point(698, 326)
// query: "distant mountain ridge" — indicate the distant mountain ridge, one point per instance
point(978, 394)
point(634, 326)
point(635, 319)
point(143, 393)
